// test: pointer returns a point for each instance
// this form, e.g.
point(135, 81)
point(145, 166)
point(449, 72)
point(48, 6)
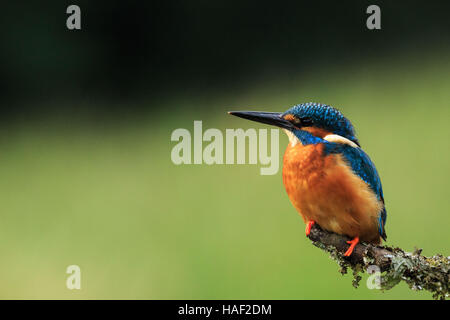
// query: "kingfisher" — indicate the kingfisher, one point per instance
point(328, 177)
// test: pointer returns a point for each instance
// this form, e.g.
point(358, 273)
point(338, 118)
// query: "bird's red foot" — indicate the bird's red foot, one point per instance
point(309, 226)
point(352, 246)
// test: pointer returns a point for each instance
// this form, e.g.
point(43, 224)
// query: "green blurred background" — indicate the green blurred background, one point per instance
point(87, 117)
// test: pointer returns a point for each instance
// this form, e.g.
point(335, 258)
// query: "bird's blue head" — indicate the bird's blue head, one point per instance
point(307, 121)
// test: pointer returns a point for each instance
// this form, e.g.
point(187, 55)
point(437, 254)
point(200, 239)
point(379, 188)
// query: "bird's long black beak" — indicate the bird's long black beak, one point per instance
point(272, 118)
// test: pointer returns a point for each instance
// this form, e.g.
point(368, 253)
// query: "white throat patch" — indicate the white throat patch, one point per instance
point(293, 140)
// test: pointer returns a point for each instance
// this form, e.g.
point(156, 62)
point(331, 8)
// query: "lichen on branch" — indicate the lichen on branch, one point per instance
point(395, 265)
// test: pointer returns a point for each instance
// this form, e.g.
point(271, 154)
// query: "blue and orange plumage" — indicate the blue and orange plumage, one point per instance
point(329, 179)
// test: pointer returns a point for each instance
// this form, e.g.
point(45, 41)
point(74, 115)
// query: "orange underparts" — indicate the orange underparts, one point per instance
point(352, 246)
point(308, 227)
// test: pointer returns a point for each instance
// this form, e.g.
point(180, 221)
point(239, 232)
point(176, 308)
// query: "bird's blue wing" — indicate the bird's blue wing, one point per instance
point(365, 169)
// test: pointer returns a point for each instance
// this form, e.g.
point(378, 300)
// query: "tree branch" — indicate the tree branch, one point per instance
point(419, 272)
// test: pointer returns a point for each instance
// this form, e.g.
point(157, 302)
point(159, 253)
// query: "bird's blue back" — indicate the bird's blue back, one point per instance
point(362, 166)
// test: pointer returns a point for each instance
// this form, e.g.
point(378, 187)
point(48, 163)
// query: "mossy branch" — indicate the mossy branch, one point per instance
point(394, 264)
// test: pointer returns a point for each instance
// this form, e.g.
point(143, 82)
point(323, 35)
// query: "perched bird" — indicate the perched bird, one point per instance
point(329, 179)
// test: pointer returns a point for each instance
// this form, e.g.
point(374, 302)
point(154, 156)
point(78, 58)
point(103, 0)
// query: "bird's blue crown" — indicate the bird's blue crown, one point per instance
point(325, 117)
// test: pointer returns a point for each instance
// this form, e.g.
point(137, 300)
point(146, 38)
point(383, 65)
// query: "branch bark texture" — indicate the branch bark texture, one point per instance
point(394, 264)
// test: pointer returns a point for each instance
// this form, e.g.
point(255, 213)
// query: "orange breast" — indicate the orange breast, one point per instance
point(325, 189)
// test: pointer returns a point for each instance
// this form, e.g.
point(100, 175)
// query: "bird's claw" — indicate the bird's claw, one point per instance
point(352, 246)
point(309, 226)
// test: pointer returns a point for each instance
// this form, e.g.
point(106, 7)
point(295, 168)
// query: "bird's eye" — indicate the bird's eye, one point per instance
point(306, 122)
point(296, 120)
